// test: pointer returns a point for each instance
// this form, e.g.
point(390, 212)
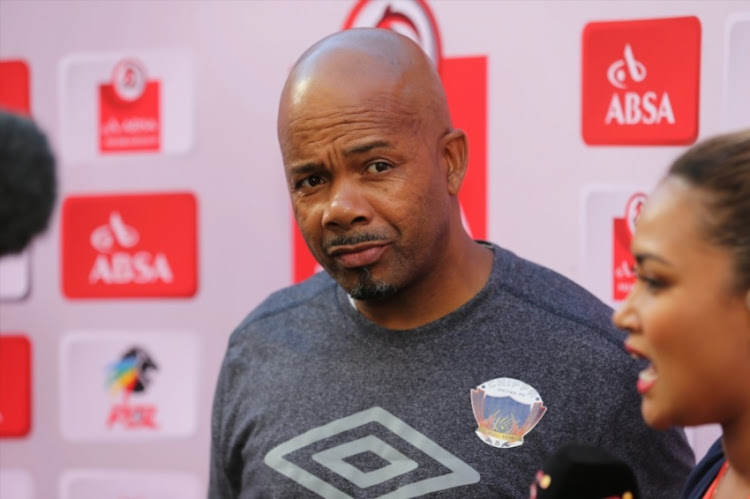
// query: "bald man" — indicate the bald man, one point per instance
point(421, 362)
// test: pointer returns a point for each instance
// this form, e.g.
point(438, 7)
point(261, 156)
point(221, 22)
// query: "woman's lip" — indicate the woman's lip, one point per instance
point(635, 353)
point(647, 379)
point(359, 257)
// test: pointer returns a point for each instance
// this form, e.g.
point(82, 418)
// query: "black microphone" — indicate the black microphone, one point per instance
point(578, 471)
point(28, 181)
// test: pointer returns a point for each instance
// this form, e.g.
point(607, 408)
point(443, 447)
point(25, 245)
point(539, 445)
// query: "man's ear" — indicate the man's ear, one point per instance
point(455, 151)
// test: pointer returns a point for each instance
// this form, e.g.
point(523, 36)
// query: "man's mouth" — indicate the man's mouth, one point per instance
point(360, 255)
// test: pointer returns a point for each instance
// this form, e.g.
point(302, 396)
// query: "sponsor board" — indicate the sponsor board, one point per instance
point(118, 385)
point(125, 103)
point(132, 245)
point(641, 81)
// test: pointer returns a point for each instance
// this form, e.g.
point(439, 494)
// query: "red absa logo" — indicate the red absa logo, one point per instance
point(640, 82)
point(15, 385)
point(465, 82)
point(623, 276)
point(129, 110)
point(14, 86)
point(138, 245)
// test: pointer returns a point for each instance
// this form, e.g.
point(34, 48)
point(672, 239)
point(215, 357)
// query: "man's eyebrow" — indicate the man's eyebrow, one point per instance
point(312, 167)
point(304, 169)
point(360, 149)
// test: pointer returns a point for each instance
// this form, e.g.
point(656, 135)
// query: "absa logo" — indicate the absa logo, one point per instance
point(122, 267)
point(129, 245)
point(640, 82)
point(632, 108)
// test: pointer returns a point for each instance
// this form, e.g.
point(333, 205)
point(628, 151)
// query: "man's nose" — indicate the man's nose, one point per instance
point(346, 206)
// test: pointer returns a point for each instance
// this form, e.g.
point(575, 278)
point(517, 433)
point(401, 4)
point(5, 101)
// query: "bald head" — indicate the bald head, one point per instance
point(365, 67)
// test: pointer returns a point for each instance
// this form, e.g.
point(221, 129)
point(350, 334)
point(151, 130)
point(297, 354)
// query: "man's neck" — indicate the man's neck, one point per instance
point(446, 291)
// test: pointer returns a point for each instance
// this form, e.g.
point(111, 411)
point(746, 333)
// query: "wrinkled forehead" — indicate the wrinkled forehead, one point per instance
point(314, 131)
point(343, 94)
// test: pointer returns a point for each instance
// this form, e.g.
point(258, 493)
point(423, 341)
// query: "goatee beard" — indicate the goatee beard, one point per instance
point(370, 289)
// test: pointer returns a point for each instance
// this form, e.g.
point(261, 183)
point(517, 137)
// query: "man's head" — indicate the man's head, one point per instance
point(372, 162)
point(28, 182)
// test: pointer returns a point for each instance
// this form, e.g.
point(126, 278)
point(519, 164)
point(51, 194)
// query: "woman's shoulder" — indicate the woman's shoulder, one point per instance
point(704, 472)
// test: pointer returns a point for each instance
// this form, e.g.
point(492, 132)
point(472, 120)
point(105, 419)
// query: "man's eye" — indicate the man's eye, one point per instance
point(311, 181)
point(378, 167)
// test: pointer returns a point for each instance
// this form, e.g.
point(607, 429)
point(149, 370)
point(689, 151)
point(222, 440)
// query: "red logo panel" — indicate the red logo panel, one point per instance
point(623, 277)
point(129, 117)
point(140, 245)
point(640, 81)
point(14, 87)
point(15, 386)
point(465, 82)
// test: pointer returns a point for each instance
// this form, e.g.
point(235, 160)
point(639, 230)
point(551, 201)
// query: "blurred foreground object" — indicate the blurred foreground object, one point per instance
point(584, 472)
point(28, 183)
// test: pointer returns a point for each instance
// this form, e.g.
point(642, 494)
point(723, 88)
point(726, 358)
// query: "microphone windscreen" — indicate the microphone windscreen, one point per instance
point(578, 471)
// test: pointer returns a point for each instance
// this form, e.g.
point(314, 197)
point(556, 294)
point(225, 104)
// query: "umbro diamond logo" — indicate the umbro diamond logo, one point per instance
point(323, 466)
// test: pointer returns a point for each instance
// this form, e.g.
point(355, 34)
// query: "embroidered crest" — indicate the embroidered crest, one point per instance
point(506, 409)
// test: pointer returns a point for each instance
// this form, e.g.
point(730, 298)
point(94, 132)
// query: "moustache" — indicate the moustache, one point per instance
point(352, 240)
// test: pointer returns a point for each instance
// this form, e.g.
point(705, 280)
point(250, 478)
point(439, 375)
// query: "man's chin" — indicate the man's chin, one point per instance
point(373, 293)
point(363, 287)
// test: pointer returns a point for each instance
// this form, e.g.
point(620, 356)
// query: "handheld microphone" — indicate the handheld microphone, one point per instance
point(578, 471)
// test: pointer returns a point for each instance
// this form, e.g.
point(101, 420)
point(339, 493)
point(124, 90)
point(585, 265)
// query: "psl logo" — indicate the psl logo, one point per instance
point(465, 82)
point(121, 267)
point(131, 375)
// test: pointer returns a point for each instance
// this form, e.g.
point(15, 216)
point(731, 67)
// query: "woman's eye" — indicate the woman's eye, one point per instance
point(651, 283)
point(378, 167)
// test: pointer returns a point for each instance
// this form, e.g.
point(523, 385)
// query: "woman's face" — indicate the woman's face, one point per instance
point(684, 316)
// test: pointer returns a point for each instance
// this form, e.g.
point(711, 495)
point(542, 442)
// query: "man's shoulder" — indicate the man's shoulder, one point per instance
point(550, 292)
point(291, 299)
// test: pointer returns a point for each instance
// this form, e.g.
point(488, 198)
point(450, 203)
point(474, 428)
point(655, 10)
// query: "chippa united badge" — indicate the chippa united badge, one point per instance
point(506, 409)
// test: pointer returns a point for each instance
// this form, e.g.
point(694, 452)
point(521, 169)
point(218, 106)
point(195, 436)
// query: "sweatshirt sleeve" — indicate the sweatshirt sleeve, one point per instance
point(219, 485)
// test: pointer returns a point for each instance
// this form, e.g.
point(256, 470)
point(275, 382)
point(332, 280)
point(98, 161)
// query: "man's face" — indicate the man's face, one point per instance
point(368, 188)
